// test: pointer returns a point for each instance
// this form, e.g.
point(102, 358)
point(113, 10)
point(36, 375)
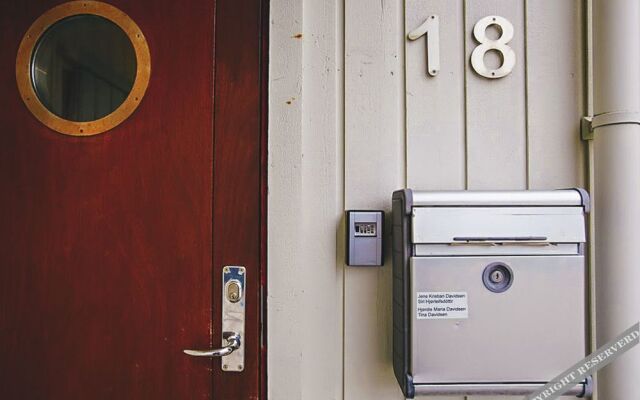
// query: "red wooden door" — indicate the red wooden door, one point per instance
point(112, 246)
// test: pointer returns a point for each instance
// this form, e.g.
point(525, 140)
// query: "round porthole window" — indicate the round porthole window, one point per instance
point(83, 67)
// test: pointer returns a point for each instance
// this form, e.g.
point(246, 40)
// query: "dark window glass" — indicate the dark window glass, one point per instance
point(83, 68)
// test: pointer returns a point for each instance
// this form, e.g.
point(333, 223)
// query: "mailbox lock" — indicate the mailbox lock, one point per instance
point(234, 291)
point(497, 277)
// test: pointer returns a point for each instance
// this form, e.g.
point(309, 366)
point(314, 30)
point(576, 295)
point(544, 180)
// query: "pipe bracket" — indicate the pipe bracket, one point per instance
point(589, 124)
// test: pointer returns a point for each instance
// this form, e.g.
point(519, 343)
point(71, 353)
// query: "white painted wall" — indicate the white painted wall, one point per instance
point(354, 116)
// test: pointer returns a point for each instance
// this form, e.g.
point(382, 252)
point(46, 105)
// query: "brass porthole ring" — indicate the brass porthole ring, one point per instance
point(30, 41)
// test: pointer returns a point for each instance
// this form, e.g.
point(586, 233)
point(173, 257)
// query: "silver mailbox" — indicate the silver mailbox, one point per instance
point(489, 290)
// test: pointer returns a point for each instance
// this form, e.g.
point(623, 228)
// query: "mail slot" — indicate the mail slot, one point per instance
point(489, 290)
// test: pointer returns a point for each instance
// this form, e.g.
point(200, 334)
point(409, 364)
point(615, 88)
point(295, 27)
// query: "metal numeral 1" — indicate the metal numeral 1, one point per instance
point(431, 28)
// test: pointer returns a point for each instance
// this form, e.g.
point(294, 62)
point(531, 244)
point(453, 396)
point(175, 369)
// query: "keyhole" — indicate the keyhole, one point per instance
point(233, 292)
point(497, 276)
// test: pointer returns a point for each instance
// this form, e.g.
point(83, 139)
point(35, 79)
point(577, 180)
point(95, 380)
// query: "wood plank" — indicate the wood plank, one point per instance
point(555, 90)
point(435, 105)
point(374, 167)
point(237, 188)
point(496, 108)
point(284, 309)
point(321, 207)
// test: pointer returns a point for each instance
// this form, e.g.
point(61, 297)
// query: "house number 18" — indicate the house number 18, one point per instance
point(430, 27)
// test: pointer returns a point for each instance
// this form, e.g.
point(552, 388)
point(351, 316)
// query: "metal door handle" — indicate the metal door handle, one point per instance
point(233, 343)
point(233, 315)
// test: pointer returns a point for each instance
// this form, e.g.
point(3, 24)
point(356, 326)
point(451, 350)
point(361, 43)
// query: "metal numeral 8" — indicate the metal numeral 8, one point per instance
point(486, 44)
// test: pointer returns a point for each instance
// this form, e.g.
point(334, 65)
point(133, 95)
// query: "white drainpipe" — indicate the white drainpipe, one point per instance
point(616, 93)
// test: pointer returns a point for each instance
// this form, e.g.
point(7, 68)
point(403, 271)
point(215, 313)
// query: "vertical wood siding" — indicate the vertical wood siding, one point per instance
point(354, 116)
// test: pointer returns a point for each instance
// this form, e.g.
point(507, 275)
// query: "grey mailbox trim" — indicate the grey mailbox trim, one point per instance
point(402, 201)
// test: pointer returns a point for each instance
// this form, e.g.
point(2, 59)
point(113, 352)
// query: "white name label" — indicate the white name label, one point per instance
point(442, 305)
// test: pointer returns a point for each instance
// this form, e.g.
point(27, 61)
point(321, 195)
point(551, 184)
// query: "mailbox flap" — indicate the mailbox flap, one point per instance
point(498, 225)
point(502, 198)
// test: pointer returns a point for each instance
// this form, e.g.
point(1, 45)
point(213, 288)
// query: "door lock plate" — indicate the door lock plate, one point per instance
point(233, 314)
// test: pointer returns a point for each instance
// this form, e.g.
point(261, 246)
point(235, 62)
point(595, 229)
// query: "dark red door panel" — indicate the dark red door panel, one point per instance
point(105, 263)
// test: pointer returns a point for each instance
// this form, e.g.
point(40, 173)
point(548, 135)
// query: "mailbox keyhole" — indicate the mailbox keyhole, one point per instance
point(497, 277)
